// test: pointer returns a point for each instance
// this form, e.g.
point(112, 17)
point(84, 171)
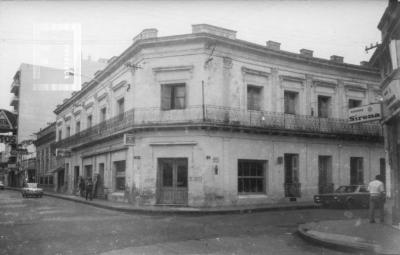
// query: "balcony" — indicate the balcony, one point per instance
point(15, 87)
point(225, 118)
point(14, 101)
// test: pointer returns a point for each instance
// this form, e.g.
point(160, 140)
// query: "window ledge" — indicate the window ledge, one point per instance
point(253, 196)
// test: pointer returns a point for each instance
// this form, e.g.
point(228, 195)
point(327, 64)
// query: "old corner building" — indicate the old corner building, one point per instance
point(205, 119)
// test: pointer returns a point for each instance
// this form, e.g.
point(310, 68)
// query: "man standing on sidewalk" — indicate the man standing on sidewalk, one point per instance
point(89, 188)
point(377, 198)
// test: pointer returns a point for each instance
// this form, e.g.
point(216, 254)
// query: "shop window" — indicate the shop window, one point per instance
point(51, 180)
point(173, 96)
point(251, 176)
point(119, 167)
point(254, 98)
point(291, 102)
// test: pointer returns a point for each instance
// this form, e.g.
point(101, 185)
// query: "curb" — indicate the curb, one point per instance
point(341, 242)
point(178, 210)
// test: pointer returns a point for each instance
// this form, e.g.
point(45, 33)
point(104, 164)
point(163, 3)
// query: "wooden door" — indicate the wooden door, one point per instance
point(173, 181)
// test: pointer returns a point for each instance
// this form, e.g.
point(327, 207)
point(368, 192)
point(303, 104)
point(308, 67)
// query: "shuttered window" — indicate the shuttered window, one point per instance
point(254, 98)
point(173, 96)
point(291, 99)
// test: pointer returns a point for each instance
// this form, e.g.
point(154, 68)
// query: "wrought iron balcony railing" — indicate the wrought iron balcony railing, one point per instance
point(214, 115)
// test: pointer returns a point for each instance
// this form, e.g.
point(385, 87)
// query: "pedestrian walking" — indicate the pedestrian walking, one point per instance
point(89, 188)
point(81, 186)
point(376, 199)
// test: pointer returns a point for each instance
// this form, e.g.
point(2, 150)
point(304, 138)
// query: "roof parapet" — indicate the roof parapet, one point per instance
point(337, 59)
point(306, 52)
point(273, 45)
point(146, 34)
point(220, 31)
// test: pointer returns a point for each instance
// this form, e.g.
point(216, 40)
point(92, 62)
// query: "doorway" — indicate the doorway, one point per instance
point(325, 184)
point(292, 182)
point(172, 181)
point(88, 171)
point(356, 171)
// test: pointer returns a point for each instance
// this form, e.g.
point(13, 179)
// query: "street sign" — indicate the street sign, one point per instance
point(129, 139)
point(366, 113)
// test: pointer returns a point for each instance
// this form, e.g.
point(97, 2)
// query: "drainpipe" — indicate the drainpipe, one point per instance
point(203, 105)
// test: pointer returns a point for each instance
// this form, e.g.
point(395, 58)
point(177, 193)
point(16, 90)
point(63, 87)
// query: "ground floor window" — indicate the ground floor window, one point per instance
point(251, 176)
point(120, 169)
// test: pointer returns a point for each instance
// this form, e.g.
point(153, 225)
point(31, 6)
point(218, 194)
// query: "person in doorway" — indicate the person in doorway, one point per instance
point(81, 186)
point(89, 188)
point(376, 199)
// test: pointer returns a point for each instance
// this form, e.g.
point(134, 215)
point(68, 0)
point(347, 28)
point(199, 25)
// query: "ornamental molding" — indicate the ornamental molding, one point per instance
point(246, 70)
point(188, 68)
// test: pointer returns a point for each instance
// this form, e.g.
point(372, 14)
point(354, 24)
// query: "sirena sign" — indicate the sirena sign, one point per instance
point(366, 113)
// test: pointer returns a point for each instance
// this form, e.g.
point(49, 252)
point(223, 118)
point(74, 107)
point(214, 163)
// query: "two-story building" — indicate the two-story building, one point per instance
point(206, 119)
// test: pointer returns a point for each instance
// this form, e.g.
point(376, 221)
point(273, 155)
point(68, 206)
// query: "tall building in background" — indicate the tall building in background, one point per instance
point(37, 91)
point(387, 59)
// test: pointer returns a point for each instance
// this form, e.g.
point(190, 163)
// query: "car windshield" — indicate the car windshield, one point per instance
point(346, 189)
point(32, 185)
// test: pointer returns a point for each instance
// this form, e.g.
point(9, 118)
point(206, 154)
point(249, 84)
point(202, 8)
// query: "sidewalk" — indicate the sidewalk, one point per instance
point(353, 235)
point(161, 209)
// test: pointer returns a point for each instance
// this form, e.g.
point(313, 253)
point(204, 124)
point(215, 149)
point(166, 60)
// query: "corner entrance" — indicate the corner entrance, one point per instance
point(172, 184)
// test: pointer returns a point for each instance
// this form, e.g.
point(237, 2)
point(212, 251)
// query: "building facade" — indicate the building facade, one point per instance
point(206, 119)
point(387, 58)
point(50, 172)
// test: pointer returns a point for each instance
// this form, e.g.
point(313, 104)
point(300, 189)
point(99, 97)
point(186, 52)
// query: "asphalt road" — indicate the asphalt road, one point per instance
point(54, 226)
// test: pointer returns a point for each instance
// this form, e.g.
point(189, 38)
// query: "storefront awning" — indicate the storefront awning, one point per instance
point(57, 169)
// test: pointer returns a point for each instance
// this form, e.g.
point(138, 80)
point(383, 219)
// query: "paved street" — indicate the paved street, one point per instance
point(54, 226)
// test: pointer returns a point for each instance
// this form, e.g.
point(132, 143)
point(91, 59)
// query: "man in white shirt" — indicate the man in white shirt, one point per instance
point(377, 198)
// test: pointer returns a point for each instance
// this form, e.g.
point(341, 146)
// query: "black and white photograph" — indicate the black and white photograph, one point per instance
point(199, 127)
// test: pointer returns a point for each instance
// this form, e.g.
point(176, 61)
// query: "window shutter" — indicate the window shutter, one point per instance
point(165, 97)
point(180, 95)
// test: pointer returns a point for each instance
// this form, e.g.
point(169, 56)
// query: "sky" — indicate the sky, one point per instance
point(328, 27)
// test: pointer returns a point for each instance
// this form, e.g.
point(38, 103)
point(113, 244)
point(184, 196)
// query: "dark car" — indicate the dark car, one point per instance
point(1, 185)
point(349, 196)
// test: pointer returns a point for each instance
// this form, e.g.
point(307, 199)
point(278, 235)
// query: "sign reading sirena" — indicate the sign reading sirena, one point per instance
point(365, 113)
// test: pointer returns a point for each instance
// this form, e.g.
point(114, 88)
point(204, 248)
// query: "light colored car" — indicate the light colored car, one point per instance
point(1, 185)
point(349, 196)
point(31, 190)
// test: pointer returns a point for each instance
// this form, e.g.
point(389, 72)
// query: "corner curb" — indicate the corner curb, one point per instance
point(330, 241)
point(179, 210)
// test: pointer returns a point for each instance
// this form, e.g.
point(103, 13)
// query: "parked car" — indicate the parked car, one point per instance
point(31, 190)
point(1, 185)
point(349, 196)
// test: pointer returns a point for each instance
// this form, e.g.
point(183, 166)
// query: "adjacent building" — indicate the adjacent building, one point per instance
point(37, 91)
point(8, 128)
point(206, 119)
point(387, 58)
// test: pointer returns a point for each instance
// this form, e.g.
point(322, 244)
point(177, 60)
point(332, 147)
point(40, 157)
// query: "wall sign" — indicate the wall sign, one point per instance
point(129, 139)
point(366, 113)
